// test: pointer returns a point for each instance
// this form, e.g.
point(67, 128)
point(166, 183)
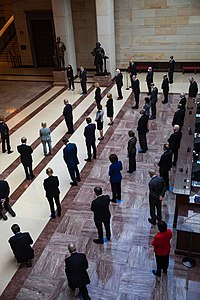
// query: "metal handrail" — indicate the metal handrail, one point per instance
point(7, 33)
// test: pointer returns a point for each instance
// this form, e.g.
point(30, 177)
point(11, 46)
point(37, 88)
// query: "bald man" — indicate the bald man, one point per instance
point(76, 266)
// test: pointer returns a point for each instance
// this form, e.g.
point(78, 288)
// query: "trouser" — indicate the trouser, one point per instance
point(153, 109)
point(83, 86)
point(100, 228)
point(155, 204)
point(149, 87)
point(165, 93)
point(116, 190)
point(69, 123)
point(143, 141)
point(132, 162)
point(28, 171)
point(83, 290)
point(137, 95)
point(119, 90)
point(72, 172)
point(89, 146)
point(71, 83)
point(45, 143)
point(51, 204)
point(170, 75)
point(5, 141)
point(162, 263)
point(165, 175)
point(6, 206)
point(175, 152)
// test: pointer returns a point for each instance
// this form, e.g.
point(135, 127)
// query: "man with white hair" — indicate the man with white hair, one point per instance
point(119, 83)
point(174, 142)
point(193, 88)
point(76, 266)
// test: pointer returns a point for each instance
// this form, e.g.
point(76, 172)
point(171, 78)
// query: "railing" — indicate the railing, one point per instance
point(7, 33)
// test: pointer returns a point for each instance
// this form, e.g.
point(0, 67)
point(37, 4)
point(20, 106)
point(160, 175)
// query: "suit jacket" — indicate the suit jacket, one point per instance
point(25, 152)
point(20, 245)
point(67, 112)
point(100, 207)
point(4, 189)
point(97, 96)
point(76, 267)
point(149, 77)
point(143, 124)
point(165, 85)
point(51, 186)
point(165, 162)
point(89, 133)
point(178, 118)
point(132, 145)
point(136, 86)
point(132, 69)
point(157, 187)
point(119, 79)
point(174, 140)
point(114, 172)
point(171, 65)
point(154, 95)
point(83, 75)
point(193, 89)
point(70, 155)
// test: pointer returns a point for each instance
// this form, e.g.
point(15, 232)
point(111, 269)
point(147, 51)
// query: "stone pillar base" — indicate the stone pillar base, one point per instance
point(60, 77)
point(103, 80)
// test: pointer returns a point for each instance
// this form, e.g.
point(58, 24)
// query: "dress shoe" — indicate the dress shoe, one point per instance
point(4, 151)
point(78, 179)
point(101, 138)
point(94, 156)
point(87, 159)
point(4, 217)
point(59, 213)
point(119, 98)
point(108, 238)
point(33, 176)
point(141, 151)
point(114, 201)
point(151, 222)
point(155, 273)
point(129, 172)
point(97, 241)
point(29, 263)
point(164, 102)
point(111, 123)
point(10, 152)
point(152, 118)
point(74, 183)
point(134, 107)
point(13, 214)
point(52, 216)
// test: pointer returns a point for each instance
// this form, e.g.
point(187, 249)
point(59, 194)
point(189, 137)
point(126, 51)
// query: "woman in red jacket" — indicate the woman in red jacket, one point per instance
point(161, 244)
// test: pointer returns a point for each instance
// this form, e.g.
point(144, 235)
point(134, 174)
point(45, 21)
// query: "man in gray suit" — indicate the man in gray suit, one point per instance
point(157, 191)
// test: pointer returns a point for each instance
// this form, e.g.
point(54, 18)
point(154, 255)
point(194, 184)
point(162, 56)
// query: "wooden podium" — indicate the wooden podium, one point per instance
point(60, 77)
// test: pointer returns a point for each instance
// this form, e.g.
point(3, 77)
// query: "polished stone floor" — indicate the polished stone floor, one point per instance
point(121, 268)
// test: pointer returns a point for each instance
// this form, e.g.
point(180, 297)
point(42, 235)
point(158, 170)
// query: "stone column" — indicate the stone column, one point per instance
point(106, 31)
point(62, 15)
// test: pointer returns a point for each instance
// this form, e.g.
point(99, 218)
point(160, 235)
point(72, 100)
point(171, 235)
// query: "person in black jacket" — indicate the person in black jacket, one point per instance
point(165, 164)
point(51, 186)
point(5, 137)
point(4, 199)
point(132, 69)
point(165, 88)
point(76, 266)
point(174, 142)
point(179, 116)
point(97, 96)
point(193, 88)
point(153, 101)
point(89, 133)
point(149, 79)
point(171, 65)
point(183, 100)
point(67, 113)
point(100, 207)
point(83, 80)
point(110, 108)
point(142, 131)
point(20, 244)
point(26, 158)
point(131, 149)
point(157, 191)
point(136, 90)
point(119, 83)
point(70, 77)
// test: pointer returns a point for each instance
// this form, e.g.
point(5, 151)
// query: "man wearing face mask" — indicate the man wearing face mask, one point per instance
point(119, 83)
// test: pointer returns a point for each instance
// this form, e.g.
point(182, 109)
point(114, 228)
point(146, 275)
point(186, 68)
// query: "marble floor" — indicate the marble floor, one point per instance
point(121, 268)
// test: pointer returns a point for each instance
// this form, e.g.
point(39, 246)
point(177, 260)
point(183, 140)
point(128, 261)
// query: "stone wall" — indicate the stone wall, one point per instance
point(153, 30)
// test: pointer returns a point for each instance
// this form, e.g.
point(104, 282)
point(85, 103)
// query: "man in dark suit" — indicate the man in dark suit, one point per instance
point(83, 79)
point(67, 113)
point(51, 186)
point(142, 131)
point(20, 245)
point(119, 83)
point(183, 100)
point(153, 101)
point(171, 65)
point(149, 79)
point(193, 88)
point(136, 90)
point(132, 69)
point(165, 88)
point(179, 116)
point(76, 266)
point(131, 151)
point(71, 159)
point(165, 164)
point(174, 142)
point(4, 199)
point(157, 191)
point(26, 158)
point(89, 134)
point(100, 207)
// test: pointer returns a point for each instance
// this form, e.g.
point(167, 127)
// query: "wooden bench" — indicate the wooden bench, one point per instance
point(194, 69)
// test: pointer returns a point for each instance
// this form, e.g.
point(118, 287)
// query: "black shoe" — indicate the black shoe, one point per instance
point(108, 238)
point(29, 263)
point(152, 118)
point(141, 151)
point(97, 241)
point(4, 217)
point(4, 151)
point(150, 221)
point(129, 172)
point(94, 156)
point(119, 98)
point(164, 102)
point(13, 214)
point(87, 159)
point(78, 179)
point(10, 152)
point(114, 201)
point(33, 176)
point(52, 216)
point(74, 183)
point(158, 218)
point(101, 138)
point(155, 273)
point(59, 213)
point(165, 271)
point(135, 107)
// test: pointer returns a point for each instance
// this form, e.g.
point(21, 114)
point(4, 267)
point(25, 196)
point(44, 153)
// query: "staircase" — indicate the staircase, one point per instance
point(11, 53)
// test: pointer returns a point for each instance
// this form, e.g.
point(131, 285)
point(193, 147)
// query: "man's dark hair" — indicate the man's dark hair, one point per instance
point(88, 120)
point(23, 140)
point(166, 146)
point(98, 190)
point(131, 133)
point(162, 226)
point(65, 140)
point(147, 100)
point(113, 158)
point(15, 228)
point(99, 107)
